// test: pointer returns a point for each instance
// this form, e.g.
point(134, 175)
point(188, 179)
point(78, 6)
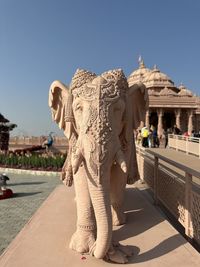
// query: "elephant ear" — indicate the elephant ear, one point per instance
point(60, 102)
point(140, 102)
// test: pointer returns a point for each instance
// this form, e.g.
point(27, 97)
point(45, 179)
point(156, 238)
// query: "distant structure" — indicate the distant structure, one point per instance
point(169, 104)
point(5, 128)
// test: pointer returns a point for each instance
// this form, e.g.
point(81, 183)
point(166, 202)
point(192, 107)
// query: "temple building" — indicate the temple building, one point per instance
point(5, 128)
point(169, 104)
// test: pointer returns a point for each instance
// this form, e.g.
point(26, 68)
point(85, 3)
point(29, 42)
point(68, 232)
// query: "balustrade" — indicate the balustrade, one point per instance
point(175, 185)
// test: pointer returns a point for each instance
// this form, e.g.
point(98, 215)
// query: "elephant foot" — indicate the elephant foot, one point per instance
point(116, 256)
point(118, 217)
point(82, 241)
point(119, 253)
point(125, 249)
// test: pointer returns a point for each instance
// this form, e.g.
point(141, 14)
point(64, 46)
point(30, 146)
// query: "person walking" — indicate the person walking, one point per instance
point(176, 130)
point(166, 133)
point(145, 134)
point(150, 138)
point(156, 142)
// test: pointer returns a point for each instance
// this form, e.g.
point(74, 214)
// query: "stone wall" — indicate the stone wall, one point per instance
point(60, 143)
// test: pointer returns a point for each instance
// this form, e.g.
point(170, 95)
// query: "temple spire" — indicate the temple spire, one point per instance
point(141, 62)
point(155, 68)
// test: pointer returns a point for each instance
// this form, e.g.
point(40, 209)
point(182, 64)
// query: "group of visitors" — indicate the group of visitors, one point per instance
point(147, 137)
point(195, 134)
point(177, 131)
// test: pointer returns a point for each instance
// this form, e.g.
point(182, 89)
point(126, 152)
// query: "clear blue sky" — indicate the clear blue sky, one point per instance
point(46, 40)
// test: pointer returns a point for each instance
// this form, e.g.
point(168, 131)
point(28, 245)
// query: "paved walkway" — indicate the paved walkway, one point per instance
point(44, 241)
point(29, 193)
point(181, 160)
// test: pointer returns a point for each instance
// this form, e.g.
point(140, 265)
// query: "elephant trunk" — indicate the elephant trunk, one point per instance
point(99, 189)
point(101, 203)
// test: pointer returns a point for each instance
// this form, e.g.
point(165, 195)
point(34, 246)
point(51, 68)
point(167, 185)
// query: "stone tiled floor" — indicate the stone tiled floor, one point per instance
point(29, 193)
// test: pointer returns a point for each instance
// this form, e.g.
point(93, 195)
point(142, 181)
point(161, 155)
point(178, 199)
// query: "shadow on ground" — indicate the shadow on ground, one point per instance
point(161, 249)
point(142, 216)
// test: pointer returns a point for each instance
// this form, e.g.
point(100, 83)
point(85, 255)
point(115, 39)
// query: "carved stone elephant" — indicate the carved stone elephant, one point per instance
point(98, 115)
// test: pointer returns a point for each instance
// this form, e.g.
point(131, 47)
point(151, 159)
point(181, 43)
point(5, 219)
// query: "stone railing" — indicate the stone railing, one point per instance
point(189, 145)
point(175, 186)
point(17, 142)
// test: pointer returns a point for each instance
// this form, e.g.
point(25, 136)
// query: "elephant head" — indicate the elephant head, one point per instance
point(98, 115)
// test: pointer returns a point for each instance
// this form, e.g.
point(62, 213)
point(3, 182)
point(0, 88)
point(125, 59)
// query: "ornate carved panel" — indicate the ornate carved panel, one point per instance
point(171, 192)
point(195, 216)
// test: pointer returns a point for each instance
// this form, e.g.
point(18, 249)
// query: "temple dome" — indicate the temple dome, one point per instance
point(152, 92)
point(184, 91)
point(156, 78)
point(138, 75)
point(167, 92)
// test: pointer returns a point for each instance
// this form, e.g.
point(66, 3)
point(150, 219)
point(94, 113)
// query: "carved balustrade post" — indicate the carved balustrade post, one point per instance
point(188, 190)
point(156, 180)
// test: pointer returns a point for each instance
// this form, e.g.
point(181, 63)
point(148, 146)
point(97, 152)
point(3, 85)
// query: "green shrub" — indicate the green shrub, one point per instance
point(36, 161)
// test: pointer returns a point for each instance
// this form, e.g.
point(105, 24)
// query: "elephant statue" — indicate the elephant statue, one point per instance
point(98, 115)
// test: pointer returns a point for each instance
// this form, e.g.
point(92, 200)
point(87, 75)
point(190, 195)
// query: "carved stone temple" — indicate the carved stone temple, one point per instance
point(169, 104)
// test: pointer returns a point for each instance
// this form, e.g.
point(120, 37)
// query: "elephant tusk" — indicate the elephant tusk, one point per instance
point(78, 158)
point(121, 160)
point(123, 167)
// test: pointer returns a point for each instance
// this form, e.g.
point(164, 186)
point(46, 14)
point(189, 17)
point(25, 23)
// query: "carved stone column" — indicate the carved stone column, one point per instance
point(147, 119)
point(160, 122)
point(190, 121)
point(141, 124)
point(178, 118)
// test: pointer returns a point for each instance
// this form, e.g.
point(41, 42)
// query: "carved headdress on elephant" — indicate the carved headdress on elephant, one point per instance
point(98, 115)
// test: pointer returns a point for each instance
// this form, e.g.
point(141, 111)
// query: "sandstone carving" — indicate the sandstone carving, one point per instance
point(98, 115)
